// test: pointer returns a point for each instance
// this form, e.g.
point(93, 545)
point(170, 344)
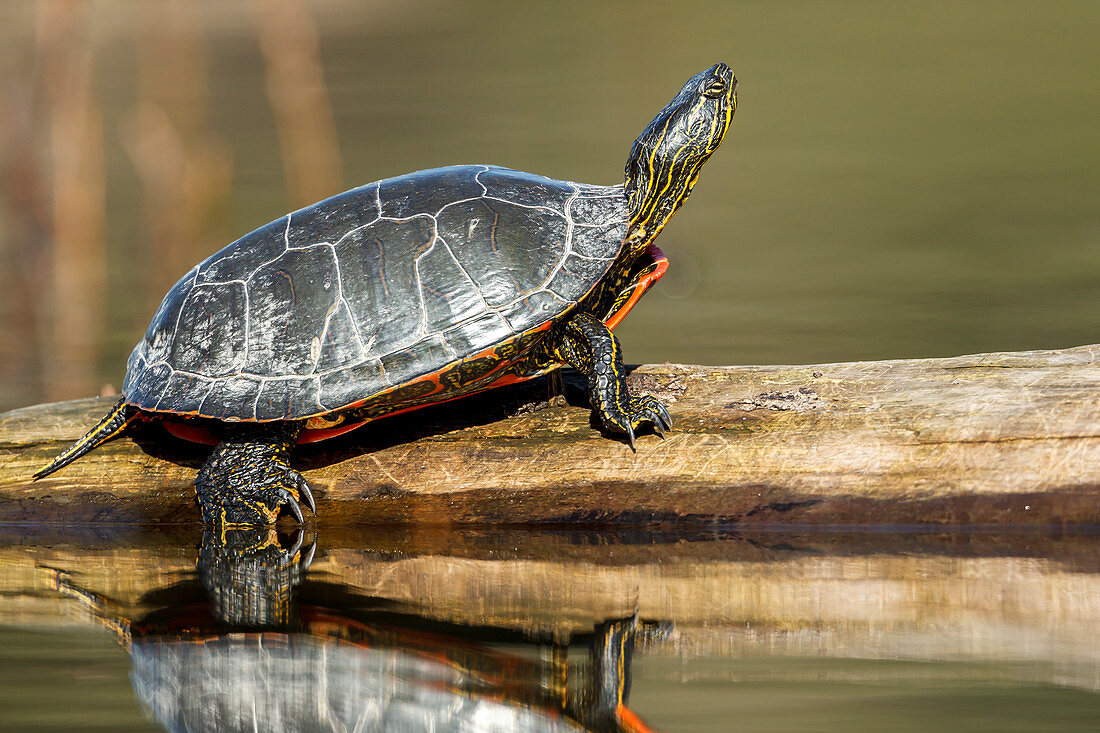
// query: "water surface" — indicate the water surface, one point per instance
point(753, 631)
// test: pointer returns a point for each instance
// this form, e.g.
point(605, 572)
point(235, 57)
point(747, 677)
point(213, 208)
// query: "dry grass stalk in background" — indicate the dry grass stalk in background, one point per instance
point(299, 99)
point(76, 294)
point(185, 168)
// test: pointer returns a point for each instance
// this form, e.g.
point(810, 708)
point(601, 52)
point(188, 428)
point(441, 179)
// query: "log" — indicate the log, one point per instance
point(1004, 439)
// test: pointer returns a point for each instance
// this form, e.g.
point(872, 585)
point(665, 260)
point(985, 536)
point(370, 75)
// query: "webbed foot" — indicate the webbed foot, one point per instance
point(247, 479)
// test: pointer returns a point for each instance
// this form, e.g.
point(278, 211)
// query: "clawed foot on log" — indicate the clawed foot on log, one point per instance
point(247, 479)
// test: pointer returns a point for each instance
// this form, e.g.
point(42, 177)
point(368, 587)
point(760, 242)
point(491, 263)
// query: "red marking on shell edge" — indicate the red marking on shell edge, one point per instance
point(186, 431)
point(200, 434)
point(661, 261)
point(631, 721)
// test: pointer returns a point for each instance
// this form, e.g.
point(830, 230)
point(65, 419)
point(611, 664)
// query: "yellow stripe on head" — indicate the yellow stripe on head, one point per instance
point(667, 157)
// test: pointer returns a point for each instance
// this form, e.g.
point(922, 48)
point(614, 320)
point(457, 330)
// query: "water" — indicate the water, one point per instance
point(751, 631)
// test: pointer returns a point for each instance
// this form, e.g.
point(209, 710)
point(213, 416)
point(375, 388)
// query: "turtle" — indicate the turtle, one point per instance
point(408, 292)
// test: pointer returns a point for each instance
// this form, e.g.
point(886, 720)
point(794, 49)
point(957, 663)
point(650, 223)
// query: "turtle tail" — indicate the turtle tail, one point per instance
point(110, 426)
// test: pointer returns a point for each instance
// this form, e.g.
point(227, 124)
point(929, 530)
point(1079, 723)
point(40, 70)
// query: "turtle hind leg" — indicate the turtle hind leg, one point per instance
point(585, 343)
point(247, 479)
point(113, 423)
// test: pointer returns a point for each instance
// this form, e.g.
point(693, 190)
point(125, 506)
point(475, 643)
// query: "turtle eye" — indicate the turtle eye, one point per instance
point(716, 87)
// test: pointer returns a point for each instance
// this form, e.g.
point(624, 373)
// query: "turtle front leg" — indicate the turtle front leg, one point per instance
point(248, 478)
point(586, 344)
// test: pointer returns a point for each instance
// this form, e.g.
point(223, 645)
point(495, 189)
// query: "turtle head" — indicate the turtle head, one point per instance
point(667, 157)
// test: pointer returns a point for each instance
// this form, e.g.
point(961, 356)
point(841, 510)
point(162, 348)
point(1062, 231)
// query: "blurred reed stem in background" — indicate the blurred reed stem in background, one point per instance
point(26, 227)
point(75, 299)
point(184, 168)
point(298, 95)
point(54, 283)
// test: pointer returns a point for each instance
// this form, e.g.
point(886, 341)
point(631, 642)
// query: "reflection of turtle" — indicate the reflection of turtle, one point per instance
point(406, 292)
point(251, 660)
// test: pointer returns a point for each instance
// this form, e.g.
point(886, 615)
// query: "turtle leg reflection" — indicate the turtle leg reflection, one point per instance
point(586, 344)
point(249, 574)
point(612, 650)
point(599, 699)
point(248, 478)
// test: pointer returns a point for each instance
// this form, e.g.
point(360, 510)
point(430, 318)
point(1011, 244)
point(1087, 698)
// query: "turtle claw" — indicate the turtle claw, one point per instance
point(649, 410)
point(304, 493)
point(633, 417)
point(291, 554)
point(665, 417)
point(246, 483)
point(289, 500)
point(308, 559)
point(298, 540)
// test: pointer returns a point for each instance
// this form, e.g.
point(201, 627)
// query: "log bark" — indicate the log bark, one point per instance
point(1008, 439)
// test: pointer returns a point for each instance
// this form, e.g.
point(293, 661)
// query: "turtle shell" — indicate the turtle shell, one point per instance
point(388, 678)
point(374, 289)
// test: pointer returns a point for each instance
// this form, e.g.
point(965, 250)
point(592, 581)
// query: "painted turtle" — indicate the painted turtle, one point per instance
point(407, 292)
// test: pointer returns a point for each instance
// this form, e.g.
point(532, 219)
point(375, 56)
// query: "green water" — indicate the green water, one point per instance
point(814, 695)
point(78, 680)
point(902, 179)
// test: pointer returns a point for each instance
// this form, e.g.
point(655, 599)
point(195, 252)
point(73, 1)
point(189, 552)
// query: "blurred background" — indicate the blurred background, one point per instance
point(901, 179)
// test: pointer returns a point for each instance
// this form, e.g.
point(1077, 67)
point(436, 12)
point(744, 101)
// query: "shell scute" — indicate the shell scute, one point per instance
point(184, 393)
point(162, 329)
point(151, 382)
point(589, 241)
point(538, 307)
point(596, 206)
point(339, 343)
point(289, 396)
point(214, 317)
point(469, 337)
point(333, 384)
point(450, 301)
point(239, 260)
point(531, 191)
point(287, 308)
point(508, 250)
point(233, 399)
point(426, 192)
point(572, 276)
point(379, 281)
point(406, 364)
point(331, 219)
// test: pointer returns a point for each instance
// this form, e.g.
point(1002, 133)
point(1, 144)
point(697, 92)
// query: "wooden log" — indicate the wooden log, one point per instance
point(1010, 439)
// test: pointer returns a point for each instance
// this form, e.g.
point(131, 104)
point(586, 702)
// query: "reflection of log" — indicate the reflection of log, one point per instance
point(1027, 597)
point(995, 438)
